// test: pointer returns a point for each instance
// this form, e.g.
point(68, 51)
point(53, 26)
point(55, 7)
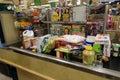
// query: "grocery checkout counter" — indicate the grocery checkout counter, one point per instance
point(38, 66)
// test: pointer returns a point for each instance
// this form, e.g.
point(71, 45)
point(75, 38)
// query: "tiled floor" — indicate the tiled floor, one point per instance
point(7, 72)
point(4, 77)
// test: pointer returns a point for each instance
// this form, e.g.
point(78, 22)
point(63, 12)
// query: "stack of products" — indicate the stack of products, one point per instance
point(56, 29)
point(75, 29)
point(67, 46)
point(78, 30)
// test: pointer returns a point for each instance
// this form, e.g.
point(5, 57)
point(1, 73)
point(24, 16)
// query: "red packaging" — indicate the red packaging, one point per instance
point(57, 43)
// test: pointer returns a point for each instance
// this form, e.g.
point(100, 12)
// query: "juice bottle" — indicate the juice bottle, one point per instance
point(88, 55)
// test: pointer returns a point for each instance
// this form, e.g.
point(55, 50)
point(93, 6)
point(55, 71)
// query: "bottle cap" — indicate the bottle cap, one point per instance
point(88, 48)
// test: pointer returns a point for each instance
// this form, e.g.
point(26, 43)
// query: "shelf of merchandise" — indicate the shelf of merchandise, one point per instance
point(97, 20)
point(98, 14)
point(105, 30)
point(61, 22)
point(23, 18)
point(111, 30)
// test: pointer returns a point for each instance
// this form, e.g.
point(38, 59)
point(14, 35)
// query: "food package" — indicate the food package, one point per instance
point(41, 42)
point(105, 40)
point(76, 29)
point(102, 39)
point(50, 44)
point(73, 38)
point(90, 40)
point(107, 49)
point(26, 44)
point(56, 29)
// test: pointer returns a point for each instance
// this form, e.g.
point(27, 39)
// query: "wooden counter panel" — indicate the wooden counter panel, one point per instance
point(43, 68)
point(24, 75)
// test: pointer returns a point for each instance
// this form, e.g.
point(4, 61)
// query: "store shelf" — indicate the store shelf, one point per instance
point(110, 30)
point(61, 22)
point(97, 14)
point(97, 20)
point(23, 17)
point(90, 22)
point(97, 7)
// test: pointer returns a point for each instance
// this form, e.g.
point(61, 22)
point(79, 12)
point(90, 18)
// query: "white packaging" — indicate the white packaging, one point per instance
point(41, 41)
point(107, 49)
point(28, 34)
point(102, 39)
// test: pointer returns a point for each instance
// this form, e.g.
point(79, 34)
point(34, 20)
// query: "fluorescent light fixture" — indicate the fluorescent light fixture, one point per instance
point(84, 3)
point(78, 2)
point(41, 6)
point(32, 4)
point(46, 5)
point(110, 2)
point(49, 1)
point(70, 4)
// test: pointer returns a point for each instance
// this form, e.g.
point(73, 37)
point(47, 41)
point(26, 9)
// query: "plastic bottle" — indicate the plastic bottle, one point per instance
point(88, 55)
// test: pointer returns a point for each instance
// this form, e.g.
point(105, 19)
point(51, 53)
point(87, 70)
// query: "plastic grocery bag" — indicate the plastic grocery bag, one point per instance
point(41, 41)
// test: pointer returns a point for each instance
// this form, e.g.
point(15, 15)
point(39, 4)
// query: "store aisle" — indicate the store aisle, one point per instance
point(4, 77)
